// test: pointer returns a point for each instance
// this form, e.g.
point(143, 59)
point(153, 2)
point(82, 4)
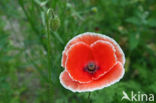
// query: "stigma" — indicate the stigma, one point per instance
point(91, 67)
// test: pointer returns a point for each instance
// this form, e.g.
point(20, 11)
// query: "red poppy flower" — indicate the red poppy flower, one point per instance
point(92, 61)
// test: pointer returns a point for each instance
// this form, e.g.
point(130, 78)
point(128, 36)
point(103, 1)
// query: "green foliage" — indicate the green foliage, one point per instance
point(32, 41)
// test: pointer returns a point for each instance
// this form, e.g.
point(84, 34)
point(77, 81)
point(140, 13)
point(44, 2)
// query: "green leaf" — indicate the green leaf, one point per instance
point(133, 20)
point(151, 22)
point(133, 40)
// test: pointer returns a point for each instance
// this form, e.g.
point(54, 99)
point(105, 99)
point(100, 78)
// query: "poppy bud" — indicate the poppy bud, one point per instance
point(55, 23)
point(53, 20)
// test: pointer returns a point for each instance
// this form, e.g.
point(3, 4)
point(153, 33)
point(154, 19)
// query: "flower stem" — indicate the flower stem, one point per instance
point(89, 97)
point(50, 92)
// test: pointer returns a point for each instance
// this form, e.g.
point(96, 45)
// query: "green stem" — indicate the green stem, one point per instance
point(49, 60)
point(89, 97)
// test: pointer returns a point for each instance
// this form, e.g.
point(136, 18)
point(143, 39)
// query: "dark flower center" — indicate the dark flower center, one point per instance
point(91, 67)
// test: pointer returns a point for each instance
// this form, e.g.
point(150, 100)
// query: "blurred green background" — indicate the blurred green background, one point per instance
point(32, 41)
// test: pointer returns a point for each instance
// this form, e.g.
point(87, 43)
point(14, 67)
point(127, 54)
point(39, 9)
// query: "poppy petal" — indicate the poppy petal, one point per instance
point(104, 56)
point(64, 57)
point(90, 38)
point(78, 56)
point(113, 76)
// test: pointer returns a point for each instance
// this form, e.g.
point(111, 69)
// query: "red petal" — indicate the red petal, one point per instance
point(113, 76)
point(90, 38)
point(104, 55)
point(78, 56)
